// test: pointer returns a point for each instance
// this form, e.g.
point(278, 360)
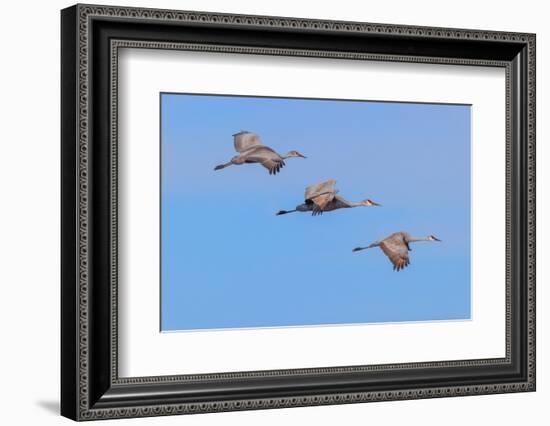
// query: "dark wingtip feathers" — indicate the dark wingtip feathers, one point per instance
point(401, 266)
point(277, 168)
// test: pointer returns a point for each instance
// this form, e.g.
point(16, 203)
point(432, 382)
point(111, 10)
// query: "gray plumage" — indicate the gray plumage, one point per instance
point(251, 150)
point(322, 197)
point(396, 247)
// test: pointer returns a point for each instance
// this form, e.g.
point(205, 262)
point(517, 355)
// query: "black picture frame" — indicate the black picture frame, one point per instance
point(90, 386)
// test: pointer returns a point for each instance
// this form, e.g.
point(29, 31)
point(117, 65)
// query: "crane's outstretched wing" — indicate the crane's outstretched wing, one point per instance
point(273, 166)
point(267, 158)
point(243, 141)
point(338, 203)
point(321, 195)
point(395, 248)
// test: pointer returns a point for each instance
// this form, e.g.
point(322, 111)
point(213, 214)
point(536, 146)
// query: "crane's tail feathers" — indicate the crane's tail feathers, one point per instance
point(280, 212)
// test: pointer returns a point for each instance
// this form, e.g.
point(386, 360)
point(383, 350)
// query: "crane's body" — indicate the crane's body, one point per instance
point(251, 151)
point(397, 246)
point(323, 197)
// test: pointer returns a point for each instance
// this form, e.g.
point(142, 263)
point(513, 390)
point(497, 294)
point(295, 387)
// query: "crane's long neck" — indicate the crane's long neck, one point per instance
point(349, 204)
point(287, 155)
point(415, 239)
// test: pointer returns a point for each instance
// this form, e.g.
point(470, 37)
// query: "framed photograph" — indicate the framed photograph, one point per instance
point(263, 212)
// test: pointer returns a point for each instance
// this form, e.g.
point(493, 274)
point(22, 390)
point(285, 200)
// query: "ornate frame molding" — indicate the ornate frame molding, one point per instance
point(87, 407)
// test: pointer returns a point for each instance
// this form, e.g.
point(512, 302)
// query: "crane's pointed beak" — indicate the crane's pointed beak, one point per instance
point(436, 239)
point(302, 156)
point(376, 204)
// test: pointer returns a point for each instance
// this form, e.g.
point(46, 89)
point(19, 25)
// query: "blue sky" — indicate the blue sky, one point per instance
point(228, 262)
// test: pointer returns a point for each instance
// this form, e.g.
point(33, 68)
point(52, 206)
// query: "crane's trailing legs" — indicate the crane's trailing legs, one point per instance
point(376, 244)
point(223, 166)
point(300, 208)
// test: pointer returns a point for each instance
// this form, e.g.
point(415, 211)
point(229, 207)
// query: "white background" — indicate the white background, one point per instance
point(29, 225)
point(146, 352)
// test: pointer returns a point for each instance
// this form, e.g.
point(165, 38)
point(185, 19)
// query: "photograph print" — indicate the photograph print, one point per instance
point(294, 212)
